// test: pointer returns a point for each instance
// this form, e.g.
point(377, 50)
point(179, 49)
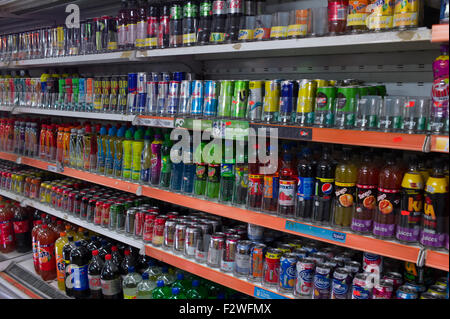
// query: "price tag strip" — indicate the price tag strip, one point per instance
point(316, 231)
point(266, 294)
point(156, 122)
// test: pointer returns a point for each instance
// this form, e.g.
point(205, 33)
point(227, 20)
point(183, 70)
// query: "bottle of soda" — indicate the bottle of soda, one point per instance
point(164, 24)
point(366, 195)
point(440, 93)
point(110, 279)
point(166, 164)
point(142, 26)
point(104, 250)
point(218, 24)
point(60, 264)
point(388, 200)
point(127, 261)
point(34, 245)
point(153, 271)
point(197, 291)
point(201, 169)
point(176, 24)
point(436, 209)
point(94, 271)
point(156, 160)
point(79, 261)
point(306, 170)
point(7, 243)
point(122, 23)
point(288, 185)
point(177, 294)
point(190, 23)
point(408, 222)
point(255, 181)
point(130, 283)
point(68, 278)
point(161, 291)
point(323, 193)
point(204, 22)
point(181, 283)
point(166, 276)
point(46, 238)
point(132, 24)
point(142, 263)
point(116, 258)
point(227, 173)
point(22, 231)
point(145, 287)
point(235, 13)
point(94, 244)
point(345, 189)
point(271, 186)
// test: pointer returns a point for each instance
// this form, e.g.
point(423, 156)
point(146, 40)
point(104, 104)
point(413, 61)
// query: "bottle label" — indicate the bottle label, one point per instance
point(47, 260)
point(255, 185)
point(337, 12)
point(217, 37)
point(374, 21)
point(6, 233)
point(271, 186)
point(200, 171)
point(176, 12)
point(297, 30)
point(60, 267)
point(142, 27)
point(278, 32)
point(345, 193)
point(235, 7)
point(245, 34)
point(435, 207)
point(129, 297)
point(227, 266)
point(205, 9)
point(189, 38)
point(213, 173)
point(356, 19)
point(226, 170)
point(80, 277)
point(242, 264)
point(21, 227)
point(361, 225)
point(111, 287)
point(219, 7)
point(406, 19)
point(305, 189)
point(287, 193)
point(261, 33)
point(94, 282)
point(388, 202)
point(190, 10)
point(324, 187)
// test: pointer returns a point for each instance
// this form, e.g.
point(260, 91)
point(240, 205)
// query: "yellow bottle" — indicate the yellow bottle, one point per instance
point(70, 232)
point(60, 265)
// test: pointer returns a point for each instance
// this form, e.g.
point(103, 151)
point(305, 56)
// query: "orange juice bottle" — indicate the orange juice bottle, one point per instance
point(66, 145)
point(59, 145)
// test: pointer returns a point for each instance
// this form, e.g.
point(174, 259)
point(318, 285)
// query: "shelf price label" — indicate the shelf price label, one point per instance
point(441, 144)
point(266, 294)
point(324, 233)
point(58, 168)
point(157, 122)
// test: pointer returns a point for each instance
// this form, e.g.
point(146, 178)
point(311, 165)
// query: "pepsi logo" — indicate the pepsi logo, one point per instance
point(327, 188)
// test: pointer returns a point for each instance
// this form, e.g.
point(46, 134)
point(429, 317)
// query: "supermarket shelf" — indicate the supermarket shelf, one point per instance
point(337, 237)
point(401, 141)
point(6, 108)
point(439, 144)
point(437, 259)
point(86, 115)
point(103, 58)
point(418, 39)
point(439, 33)
point(158, 253)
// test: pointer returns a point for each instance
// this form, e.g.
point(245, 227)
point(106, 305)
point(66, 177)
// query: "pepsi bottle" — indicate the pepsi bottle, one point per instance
point(306, 182)
point(323, 192)
point(79, 261)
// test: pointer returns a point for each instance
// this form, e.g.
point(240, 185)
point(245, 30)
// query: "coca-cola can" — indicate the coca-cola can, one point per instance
point(229, 255)
point(190, 243)
point(383, 290)
point(179, 237)
point(158, 230)
point(139, 219)
point(169, 233)
point(147, 234)
point(203, 242)
point(216, 246)
point(303, 288)
point(172, 215)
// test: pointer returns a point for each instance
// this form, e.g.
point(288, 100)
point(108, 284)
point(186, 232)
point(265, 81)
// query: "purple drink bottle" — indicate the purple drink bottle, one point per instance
point(156, 160)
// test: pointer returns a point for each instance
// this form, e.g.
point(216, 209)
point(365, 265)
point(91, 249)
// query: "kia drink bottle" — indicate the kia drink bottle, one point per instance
point(408, 222)
point(345, 187)
point(366, 195)
point(306, 171)
point(436, 206)
point(440, 93)
point(388, 200)
point(323, 193)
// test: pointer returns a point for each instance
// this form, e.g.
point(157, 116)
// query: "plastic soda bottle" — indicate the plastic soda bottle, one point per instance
point(255, 181)
point(130, 284)
point(288, 186)
point(109, 154)
point(165, 276)
point(7, 242)
point(127, 153)
point(345, 189)
point(161, 291)
point(79, 261)
point(166, 164)
point(323, 193)
point(110, 279)
point(408, 222)
point(200, 171)
point(101, 152)
point(227, 173)
point(440, 93)
point(366, 195)
point(87, 143)
point(68, 279)
point(118, 152)
point(177, 294)
point(146, 158)
point(136, 149)
point(388, 200)
point(94, 271)
point(153, 271)
point(59, 145)
point(196, 291)
point(156, 160)
point(306, 171)
point(80, 148)
point(46, 238)
point(145, 287)
point(436, 209)
point(181, 283)
point(60, 264)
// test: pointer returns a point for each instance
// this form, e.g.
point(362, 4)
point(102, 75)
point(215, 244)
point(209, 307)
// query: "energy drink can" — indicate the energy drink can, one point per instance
point(184, 107)
point(142, 82)
point(173, 98)
point(141, 103)
point(239, 100)
point(165, 76)
point(271, 102)
point(179, 237)
point(197, 98)
point(179, 76)
point(225, 98)
point(152, 97)
point(163, 93)
point(254, 102)
point(324, 106)
point(289, 91)
point(211, 98)
point(305, 102)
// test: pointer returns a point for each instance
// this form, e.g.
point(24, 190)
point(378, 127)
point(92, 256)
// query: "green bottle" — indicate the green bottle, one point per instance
point(181, 283)
point(137, 146)
point(146, 157)
point(227, 173)
point(177, 294)
point(127, 155)
point(197, 291)
point(201, 169)
point(161, 291)
point(166, 164)
point(213, 179)
point(118, 152)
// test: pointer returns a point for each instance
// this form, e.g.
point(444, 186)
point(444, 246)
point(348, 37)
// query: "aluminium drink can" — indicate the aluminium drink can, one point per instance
point(229, 254)
point(288, 273)
point(242, 258)
point(197, 93)
point(383, 290)
point(257, 261)
point(142, 82)
point(179, 237)
point(305, 269)
point(289, 90)
point(324, 106)
point(239, 100)
point(139, 219)
point(405, 292)
point(225, 98)
point(254, 102)
point(341, 284)
point(169, 234)
point(322, 282)
point(184, 107)
point(190, 243)
point(179, 76)
point(163, 92)
point(152, 97)
point(360, 288)
point(215, 251)
point(173, 98)
point(211, 98)
point(129, 221)
point(271, 102)
point(305, 102)
point(164, 76)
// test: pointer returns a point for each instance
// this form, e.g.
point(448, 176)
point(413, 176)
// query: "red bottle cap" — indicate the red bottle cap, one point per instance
point(44, 226)
point(95, 252)
point(108, 257)
point(126, 252)
point(114, 248)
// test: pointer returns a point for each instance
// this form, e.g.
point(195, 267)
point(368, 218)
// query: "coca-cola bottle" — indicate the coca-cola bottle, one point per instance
point(164, 25)
point(235, 13)
point(22, 231)
point(218, 24)
point(94, 271)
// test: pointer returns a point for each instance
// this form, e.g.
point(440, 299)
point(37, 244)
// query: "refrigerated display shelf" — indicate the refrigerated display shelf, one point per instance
point(325, 234)
point(189, 265)
point(439, 33)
